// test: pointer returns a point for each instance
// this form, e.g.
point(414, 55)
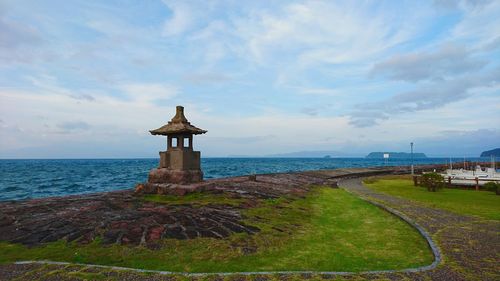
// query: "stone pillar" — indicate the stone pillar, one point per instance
point(477, 183)
point(180, 141)
point(169, 142)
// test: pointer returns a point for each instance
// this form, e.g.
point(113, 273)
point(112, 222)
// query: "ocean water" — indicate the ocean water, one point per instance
point(24, 179)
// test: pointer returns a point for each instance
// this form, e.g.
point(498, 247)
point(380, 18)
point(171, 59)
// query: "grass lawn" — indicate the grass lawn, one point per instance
point(329, 230)
point(483, 204)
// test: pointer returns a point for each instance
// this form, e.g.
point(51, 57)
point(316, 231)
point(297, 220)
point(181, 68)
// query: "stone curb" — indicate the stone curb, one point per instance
point(435, 250)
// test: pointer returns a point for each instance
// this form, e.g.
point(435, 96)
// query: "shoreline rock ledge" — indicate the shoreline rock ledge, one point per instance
point(126, 218)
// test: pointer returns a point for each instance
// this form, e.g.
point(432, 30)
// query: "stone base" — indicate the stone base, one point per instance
point(166, 176)
point(170, 189)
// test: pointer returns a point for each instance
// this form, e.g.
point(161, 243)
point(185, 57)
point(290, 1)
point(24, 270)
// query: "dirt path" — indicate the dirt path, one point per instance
point(470, 246)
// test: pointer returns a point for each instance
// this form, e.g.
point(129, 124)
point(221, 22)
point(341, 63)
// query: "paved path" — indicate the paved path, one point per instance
point(470, 246)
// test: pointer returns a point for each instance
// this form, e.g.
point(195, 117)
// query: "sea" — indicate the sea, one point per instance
point(37, 178)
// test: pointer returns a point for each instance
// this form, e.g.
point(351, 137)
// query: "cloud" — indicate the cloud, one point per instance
point(318, 91)
point(74, 126)
point(322, 32)
point(148, 92)
point(447, 61)
point(315, 110)
point(181, 20)
point(455, 4)
point(218, 39)
point(243, 140)
point(264, 68)
point(479, 25)
point(83, 97)
point(14, 34)
point(119, 124)
point(460, 142)
point(492, 45)
point(311, 111)
point(207, 78)
point(429, 96)
point(367, 118)
point(17, 41)
point(48, 84)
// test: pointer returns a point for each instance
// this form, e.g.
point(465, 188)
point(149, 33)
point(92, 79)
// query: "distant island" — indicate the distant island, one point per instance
point(494, 152)
point(400, 155)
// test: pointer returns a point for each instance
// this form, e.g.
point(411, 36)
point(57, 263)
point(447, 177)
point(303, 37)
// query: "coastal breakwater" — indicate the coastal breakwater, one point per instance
point(29, 179)
point(124, 217)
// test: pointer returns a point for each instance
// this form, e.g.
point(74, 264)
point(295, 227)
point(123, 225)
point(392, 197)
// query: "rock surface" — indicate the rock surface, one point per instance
point(164, 175)
point(469, 246)
point(123, 217)
point(117, 217)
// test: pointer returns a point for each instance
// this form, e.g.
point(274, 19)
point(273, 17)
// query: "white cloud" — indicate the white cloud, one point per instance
point(148, 92)
point(455, 4)
point(19, 42)
point(480, 24)
point(70, 126)
point(427, 96)
point(446, 61)
point(323, 32)
point(106, 119)
point(288, 72)
point(181, 19)
point(207, 78)
point(320, 91)
point(107, 122)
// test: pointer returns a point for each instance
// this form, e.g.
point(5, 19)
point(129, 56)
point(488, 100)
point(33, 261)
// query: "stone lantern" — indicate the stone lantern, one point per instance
point(179, 164)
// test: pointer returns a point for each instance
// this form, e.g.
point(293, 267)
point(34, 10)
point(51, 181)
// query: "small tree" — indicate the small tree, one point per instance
point(493, 186)
point(432, 181)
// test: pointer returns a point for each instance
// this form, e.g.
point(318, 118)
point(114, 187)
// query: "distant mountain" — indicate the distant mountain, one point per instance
point(309, 154)
point(380, 155)
point(494, 152)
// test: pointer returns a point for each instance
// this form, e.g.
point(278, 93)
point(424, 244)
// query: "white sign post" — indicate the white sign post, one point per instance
point(386, 158)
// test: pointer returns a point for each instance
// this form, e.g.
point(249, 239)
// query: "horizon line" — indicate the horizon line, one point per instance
point(242, 157)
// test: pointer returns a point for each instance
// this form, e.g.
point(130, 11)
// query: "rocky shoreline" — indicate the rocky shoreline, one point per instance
point(123, 217)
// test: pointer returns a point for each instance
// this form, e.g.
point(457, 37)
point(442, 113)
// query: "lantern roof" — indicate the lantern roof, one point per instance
point(178, 125)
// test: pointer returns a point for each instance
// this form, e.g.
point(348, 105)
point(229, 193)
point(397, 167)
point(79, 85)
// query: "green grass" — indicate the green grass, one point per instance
point(466, 202)
point(329, 230)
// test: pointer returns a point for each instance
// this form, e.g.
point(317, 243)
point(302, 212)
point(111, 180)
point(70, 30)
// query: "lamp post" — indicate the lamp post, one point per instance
point(411, 145)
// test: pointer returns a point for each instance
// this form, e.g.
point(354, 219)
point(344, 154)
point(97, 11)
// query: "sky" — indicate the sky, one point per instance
point(88, 79)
